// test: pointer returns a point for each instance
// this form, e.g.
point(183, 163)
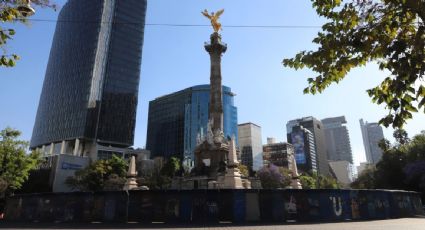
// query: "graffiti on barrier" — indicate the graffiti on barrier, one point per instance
point(215, 206)
point(291, 206)
point(337, 205)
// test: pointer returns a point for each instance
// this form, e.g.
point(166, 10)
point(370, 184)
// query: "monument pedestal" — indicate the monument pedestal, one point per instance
point(210, 158)
point(232, 179)
point(130, 184)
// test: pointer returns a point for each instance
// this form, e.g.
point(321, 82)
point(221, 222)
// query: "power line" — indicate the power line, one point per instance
point(180, 25)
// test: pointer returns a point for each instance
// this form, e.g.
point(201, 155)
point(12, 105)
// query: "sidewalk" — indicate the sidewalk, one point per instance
point(393, 224)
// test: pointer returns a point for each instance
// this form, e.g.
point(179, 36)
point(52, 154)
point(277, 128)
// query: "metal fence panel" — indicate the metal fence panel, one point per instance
point(187, 206)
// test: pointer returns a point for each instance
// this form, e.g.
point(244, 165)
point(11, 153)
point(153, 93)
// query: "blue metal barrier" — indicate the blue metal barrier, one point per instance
point(200, 206)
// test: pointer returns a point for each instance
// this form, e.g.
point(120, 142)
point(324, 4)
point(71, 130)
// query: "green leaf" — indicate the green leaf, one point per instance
point(11, 63)
point(357, 33)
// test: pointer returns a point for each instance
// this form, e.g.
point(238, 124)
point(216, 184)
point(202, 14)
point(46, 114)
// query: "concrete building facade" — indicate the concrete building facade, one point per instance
point(278, 154)
point(344, 172)
point(250, 145)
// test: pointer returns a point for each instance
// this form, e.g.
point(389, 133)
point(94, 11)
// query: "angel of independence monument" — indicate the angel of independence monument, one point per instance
point(215, 155)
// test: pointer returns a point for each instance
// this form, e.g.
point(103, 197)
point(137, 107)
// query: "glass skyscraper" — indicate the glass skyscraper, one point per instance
point(91, 84)
point(372, 134)
point(177, 121)
point(337, 139)
point(304, 147)
point(316, 128)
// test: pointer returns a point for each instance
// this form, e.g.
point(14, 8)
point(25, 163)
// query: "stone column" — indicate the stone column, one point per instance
point(63, 144)
point(43, 150)
point(52, 146)
point(76, 147)
point(232, 178)
point(131, 175)
point(216, 48)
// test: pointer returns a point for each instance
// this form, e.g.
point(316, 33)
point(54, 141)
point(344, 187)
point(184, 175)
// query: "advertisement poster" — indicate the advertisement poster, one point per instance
point(298, 143)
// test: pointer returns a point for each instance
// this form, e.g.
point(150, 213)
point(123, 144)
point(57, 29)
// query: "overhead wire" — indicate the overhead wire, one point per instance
point(181, 25)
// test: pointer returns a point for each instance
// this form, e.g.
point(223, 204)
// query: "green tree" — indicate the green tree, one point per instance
point(171, 167)
point(313, 180)
point(272, 177)
point(15, 163)
point(328, 182)
point(10, 12)
point(365, 180)
point(287, 176)
point(384, 144)
point(401, 136)
point(389, 32)
point(244, 170)
point(161, 175)
point(101, 175)
point(308, 182)
point(402, 166)
point(156, 181)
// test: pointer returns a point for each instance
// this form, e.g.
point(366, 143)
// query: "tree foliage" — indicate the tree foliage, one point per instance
point(402, 166)
point(389, 32)
point(365, 180)
point(272, 177)
point(156, 181)
point(9, 13)
point(308, 182)
point(244, 170)
point(101, 175)
point(313, 180)
point(401, 136)
point(171, 167)
point(15, 163)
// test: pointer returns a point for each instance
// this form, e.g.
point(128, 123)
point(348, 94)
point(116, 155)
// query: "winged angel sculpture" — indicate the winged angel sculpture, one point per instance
point(214, 19)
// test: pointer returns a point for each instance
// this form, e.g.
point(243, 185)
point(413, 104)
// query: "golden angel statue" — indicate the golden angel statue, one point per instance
point(214, 19)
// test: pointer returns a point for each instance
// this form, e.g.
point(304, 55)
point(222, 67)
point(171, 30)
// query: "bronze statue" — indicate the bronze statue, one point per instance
point(214, 19)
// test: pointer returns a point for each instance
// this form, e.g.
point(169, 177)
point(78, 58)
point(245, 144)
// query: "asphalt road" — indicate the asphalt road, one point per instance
point(394, 224)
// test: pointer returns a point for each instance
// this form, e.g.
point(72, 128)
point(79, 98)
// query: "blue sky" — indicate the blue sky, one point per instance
point(174, 58)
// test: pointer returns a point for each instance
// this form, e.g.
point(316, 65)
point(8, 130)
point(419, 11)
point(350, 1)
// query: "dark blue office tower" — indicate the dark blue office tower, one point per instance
point(90, 89)
point(177, 121)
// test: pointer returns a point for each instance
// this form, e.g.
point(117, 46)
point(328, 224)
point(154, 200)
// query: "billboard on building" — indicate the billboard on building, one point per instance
point(298, 143)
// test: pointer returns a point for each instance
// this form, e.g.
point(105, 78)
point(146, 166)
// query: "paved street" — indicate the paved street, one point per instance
point(395, 224)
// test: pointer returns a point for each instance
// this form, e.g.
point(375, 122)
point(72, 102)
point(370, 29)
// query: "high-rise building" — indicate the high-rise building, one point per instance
point(337, 139)
point(304, 146)
point(250, 145)
point(278, 154)
point(178, 121)
point(90, 90)
point(372, 134)
point(315, 126)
